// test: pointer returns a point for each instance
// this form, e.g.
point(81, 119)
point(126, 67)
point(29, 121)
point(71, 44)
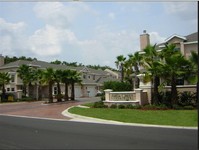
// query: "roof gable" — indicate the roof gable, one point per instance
point(175, 36)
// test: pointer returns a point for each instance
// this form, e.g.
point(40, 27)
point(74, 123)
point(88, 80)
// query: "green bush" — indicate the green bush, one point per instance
point(113, 106)
point(25, 99)
point(99, 104)
point(165, 98)
point(177, 107)
point(117, 86)
point(129, 106)
point(187, 99)
point(121, 106)
point(188, 107)
point(136, 107)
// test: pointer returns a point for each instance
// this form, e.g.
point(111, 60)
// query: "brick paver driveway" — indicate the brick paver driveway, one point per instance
point(39, 109)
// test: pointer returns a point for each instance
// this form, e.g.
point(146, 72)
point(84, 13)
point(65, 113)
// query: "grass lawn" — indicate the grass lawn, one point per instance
point(158, 117)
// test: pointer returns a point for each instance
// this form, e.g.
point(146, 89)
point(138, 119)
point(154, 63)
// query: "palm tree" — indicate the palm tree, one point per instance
point(175, 66)
point(120, 65)
point(38, 76)
point(151, 62)
point(66, 80)
point(58, 77)
point(129, 72)
point(4, 79)
point(75, 77)
point(137, 61)
point(24, 73)
point(48, 77)
point(194, 61)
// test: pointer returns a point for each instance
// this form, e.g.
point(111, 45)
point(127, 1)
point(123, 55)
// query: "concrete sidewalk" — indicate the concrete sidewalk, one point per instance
point(79, 118)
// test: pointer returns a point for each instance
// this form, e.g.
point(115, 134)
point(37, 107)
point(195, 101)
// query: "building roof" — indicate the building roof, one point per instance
point(44, 65)
point(175, 35)
point(192, 37)
point(189, 38)
point(36, 63)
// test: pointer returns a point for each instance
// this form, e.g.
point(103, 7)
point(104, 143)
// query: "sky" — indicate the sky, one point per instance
point(91, 33)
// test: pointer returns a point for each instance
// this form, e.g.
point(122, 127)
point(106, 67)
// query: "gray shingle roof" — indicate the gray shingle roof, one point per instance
point(44, 65)
point(40, 64)
point(192, 37)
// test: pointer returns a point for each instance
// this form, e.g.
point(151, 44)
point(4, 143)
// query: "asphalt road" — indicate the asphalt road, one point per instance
point(27, 133)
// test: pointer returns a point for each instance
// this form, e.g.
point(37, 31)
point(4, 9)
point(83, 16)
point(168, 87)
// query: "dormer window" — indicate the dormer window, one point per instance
point(12, 78)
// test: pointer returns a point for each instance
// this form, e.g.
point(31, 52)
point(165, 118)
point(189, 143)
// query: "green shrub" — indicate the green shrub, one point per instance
point(99, 104)
point(177, 107)
point(25, 99)
point(129, 106)
point(136, 107)
point(149, 107)
point(188, 107)
point(187, 98)
point(121, 106)
point(117, 86)
point(165, 98)
point(113, 106)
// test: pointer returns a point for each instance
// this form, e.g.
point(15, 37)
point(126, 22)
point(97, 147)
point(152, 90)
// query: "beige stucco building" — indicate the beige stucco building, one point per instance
point(185, 44)
point(92, 79)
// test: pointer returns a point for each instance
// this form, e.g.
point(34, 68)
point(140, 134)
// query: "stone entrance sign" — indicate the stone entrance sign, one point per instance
point(137, 97)
point(122, 96)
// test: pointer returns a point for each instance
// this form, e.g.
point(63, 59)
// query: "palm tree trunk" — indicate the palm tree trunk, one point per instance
point(25, 91)
point(122, 73)
point(66, 92)
point(137, 80)
point(50, 93)
point(3, 92)
point(39, 92)
point(174, 93)
point(58, 92)
point(156, 93)
point(73, 91)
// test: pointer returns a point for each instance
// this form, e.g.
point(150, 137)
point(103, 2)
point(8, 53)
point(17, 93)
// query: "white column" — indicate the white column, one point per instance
point(107, 94)
point(138, 95)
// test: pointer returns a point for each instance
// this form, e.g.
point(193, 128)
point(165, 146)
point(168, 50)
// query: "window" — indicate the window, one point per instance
point(12, 89)
point(84, 76)
point(12, 78)
point(8, 89)
point(55, 90)
point(93, 77)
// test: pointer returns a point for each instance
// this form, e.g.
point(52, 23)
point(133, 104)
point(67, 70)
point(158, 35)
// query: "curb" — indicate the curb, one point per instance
point(79, 118)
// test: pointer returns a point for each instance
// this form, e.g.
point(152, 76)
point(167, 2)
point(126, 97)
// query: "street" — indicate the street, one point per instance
point(29, 133)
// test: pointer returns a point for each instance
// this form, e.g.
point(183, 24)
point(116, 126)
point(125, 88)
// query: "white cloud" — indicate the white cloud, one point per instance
point(49, 40)
point(182, 10)
point(60, 15)
point(111, 15)
point(155, 38)
point(107, 45)
point(12, 37)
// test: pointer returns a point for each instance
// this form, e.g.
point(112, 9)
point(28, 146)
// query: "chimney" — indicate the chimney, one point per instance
point(144, 40)
point(1, 60)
